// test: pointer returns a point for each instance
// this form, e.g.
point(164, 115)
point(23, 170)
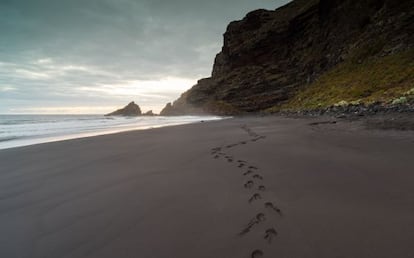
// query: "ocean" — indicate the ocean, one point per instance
point(23, 130)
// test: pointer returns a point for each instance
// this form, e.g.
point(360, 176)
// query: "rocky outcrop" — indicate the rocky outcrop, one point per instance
point(131, 109)
point(271, 55)
point(181, 107)
point(149, 113)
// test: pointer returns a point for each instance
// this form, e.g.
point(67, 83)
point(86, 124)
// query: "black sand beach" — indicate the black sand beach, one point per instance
point(243, 187)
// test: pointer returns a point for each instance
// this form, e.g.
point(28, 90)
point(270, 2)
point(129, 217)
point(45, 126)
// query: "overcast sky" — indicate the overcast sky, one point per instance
point(91, 56)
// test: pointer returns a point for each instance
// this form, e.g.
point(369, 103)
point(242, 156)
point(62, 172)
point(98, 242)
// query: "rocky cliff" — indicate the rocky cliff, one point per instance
point(131, 109)
point(308, 53)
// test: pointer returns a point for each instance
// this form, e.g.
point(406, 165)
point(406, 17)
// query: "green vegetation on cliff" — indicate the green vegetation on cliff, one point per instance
point(381, 79)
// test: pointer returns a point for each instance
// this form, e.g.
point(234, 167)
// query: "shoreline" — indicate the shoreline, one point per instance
point(16, 142)
point(373, 118)
point(232, 188)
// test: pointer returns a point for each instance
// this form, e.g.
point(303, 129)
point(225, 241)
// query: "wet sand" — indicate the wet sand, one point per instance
point(244, 187)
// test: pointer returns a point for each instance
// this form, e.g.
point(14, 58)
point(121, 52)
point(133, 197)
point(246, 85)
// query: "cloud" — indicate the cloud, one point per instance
point(6, 88)
point(51, 49)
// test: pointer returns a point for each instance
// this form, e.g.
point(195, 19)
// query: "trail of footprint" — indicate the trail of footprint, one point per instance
point(270, 205)
point(270, 234)
point(255, 197)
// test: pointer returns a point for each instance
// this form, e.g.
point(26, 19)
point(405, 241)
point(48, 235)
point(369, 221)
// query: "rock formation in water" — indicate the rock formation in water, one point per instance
point(131, 109)
point(149, 113)
point(308, 53)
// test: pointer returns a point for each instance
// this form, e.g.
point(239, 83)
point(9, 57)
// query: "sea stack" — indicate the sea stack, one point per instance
point(131, 109)
point(148, 113)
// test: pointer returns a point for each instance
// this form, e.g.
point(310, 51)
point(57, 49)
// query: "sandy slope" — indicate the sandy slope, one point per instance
point(332, 190)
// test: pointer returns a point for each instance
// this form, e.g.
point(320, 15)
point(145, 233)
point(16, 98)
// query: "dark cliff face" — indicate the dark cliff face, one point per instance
point(270, 55)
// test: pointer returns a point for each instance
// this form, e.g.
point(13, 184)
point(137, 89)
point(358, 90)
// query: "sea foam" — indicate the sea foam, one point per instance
point(23, 130)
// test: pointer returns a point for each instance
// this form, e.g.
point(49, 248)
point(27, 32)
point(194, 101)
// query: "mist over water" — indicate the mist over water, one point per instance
point(23, 130)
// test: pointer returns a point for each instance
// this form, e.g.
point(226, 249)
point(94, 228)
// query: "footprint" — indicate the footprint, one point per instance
point(252, 167)
point(269, 205)
point(257, 254)
point(270, 234)
point(217, 156)
point(245, 231)
point(257, 138)
point(230, 160)
point(256, 220)
point(247, 173)
point(262, 188)
point(260, 217)
point(215, 151)
point(249, 184)
point(241, 165)
point(248, 228)
point(255, 197)
point(257, 176)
